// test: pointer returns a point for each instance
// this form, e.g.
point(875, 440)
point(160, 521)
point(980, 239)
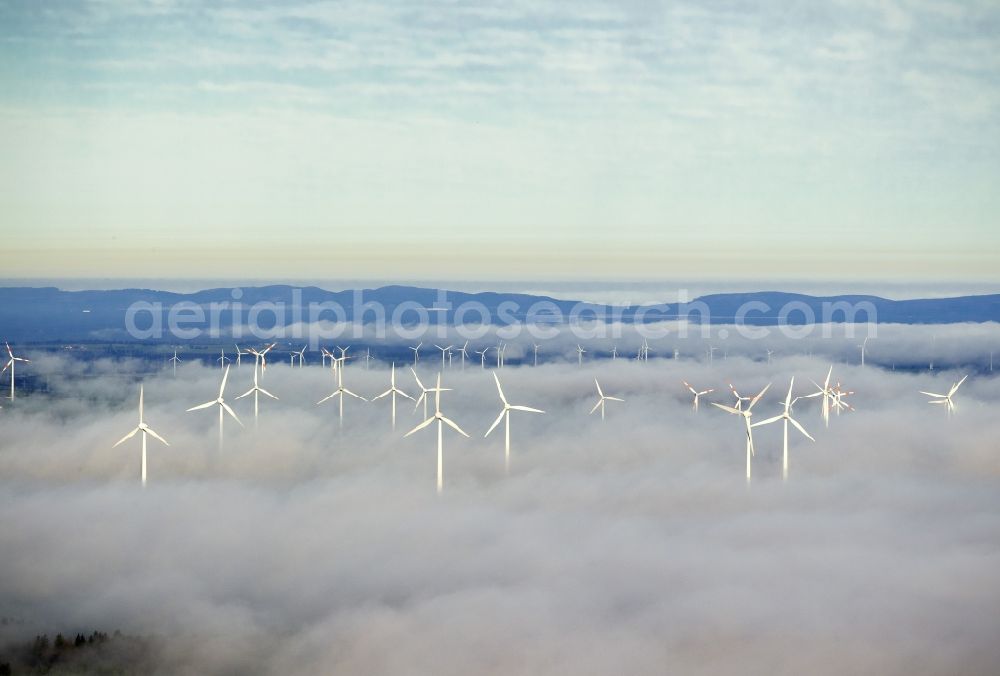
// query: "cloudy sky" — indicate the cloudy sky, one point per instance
point(629, 546)
point(500, 139)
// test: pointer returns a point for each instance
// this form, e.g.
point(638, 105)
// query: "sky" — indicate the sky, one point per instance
point(514, 139)
point(629, 546)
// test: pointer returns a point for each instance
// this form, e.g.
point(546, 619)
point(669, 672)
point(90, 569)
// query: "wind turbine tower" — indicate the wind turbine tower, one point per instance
point(144, 429)
point(441, 421)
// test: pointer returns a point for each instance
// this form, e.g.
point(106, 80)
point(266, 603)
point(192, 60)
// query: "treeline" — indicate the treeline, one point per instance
point(94, 653)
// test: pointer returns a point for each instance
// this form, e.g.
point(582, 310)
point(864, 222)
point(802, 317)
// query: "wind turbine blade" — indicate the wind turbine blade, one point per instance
point(800, 428)
point(613, 399)
point(932, 394)
point(201, 406)
point(597, 405)
point(417, 378)
point(788, 398)
point(599, 392)
point(419, 427)
point(404, 394)
point(331, 396)
point(263, 391)
point(728, 409)
point(356, 396)
point(526, 409)
point(819, 390)
point(499, 389)
point(126, 437)
point(225, 377)
point(384, 394)
point(495, 423)
point(453, 425)
point(157, 437)
point(247, 393)
point(768, 421)
point(230, 412)
point(759, 395)
point(954, 388)
point(687, 385)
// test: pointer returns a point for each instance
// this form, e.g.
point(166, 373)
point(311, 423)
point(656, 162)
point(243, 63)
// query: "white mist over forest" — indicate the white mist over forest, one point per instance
point(635, 545)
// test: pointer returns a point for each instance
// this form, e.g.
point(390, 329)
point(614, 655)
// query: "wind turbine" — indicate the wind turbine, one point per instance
point(335, 363)
point(505, 416)
point(444, 351)
point(946, 399)
point(325, 353)
point(145, 429)
point(827, 394)
point(536, 346)
point(221, 403)
point(696, 393)
point(464, 352)
point(343, 355)
point(423, 392)
point(341, 391)
point(747, 413)
point(786, 416)
point(176, 360)
point(739, 399)
point(863, 347)
point(579, 359)
point(482, 354)
point(614, 352)
point(393, 390)
point(601, 399)
point(368, 358)
point(256, 390)
point(239, 354)
point(441, 421)
point(10, 364)
point(260, 357)
point(769, 353)
point(222, 358)
point(416, 352)
point(711, 354)
point(837, 399)
point(302, 355)
point(503, 355)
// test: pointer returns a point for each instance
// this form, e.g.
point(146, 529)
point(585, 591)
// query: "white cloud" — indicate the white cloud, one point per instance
point(631, 546)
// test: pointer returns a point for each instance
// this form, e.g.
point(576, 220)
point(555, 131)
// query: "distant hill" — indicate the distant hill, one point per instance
point(49, 314)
